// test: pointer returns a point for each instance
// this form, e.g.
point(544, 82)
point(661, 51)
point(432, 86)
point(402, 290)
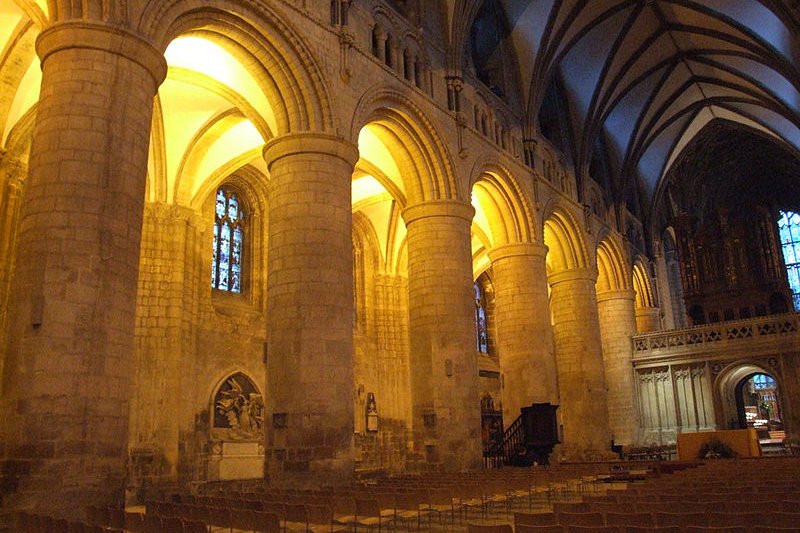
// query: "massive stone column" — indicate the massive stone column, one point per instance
point(524, 334)
point(444, 367)
point(617, 326)
point(579, 359)
point(66, 384)
point(310, 308)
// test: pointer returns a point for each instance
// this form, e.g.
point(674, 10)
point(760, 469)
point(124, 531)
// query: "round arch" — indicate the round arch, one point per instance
point(728, 384)
point(565, 240)
point(281, 62)
point(424, 161)
point(645, 296)
point(612, 272)
point(498, 198)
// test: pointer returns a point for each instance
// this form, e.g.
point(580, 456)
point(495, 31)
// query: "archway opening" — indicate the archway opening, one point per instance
point(758, 406)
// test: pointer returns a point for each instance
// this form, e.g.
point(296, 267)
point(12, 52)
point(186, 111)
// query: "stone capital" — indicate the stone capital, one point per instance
point(575, 274)
point(438, 208)
point(310, 143)
point(524, 249)
point(91, 35)
point(616, 294)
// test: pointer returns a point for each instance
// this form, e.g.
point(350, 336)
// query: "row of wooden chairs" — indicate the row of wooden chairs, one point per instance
point(33, 523)
point(660, 519)
point(197, 521)
point(505, 528)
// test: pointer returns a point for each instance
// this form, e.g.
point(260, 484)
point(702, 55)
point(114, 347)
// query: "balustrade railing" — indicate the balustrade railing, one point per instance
point(720, 334)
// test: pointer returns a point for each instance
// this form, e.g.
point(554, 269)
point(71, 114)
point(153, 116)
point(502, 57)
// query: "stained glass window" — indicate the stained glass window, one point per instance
point(789, 229)
point(226, 261)
point(480, 320)
point(762, 382)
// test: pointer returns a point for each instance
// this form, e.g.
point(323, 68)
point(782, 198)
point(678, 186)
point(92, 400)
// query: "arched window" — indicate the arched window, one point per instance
point(226, 263)
point(763, 382)
point(789, 228)
point(480, 319)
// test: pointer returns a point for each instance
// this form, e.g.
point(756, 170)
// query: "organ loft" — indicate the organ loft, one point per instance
point(313, 241)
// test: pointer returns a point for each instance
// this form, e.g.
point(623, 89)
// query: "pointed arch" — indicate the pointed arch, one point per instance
point(424, 159)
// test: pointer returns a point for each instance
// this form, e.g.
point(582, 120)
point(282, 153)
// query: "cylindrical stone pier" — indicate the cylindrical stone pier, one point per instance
point(310, 309)
point(67, 378)
point(617, 326)
point(579, 360)
point(444, 366)
point(524, 334)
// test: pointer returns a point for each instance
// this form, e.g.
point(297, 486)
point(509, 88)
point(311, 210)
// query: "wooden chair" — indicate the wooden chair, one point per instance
point(535, 519)
point(580, 519)
point(711, 529)
point(296, 518)
point(630, 519)
point(680, 519)
point(478, 528)
point(267, 522)
point(193, 526)
point(320, 519)
point(368, 514)
point(538, 529)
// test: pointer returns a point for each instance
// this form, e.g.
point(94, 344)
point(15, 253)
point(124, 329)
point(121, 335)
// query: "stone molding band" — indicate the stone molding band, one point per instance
point(305, 143)
point(616, 294)
point(574, 274)
point(438, 208)
point(532, 249)
point(86, 35)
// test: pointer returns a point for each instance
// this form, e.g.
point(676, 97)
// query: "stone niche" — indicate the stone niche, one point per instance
point(237, 430)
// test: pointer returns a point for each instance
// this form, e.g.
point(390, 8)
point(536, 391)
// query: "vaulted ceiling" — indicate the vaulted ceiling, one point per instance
point(648, 75)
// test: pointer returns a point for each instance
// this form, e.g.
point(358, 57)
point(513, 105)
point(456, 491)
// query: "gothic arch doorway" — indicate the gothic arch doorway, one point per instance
point(750, 398)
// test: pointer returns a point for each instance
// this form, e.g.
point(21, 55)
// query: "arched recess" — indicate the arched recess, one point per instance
point(642, 285)
point(504, 206)
point(285, 67)
point(612, 271)
point(422, 158)
point(648, 314)
point(727, 386)
point(236, 79)
point(236, 423)
point(565, 241)
point(237, 408)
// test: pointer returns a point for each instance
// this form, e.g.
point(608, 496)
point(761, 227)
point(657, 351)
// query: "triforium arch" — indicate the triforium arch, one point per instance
point(423, 159)
point(287, 71)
